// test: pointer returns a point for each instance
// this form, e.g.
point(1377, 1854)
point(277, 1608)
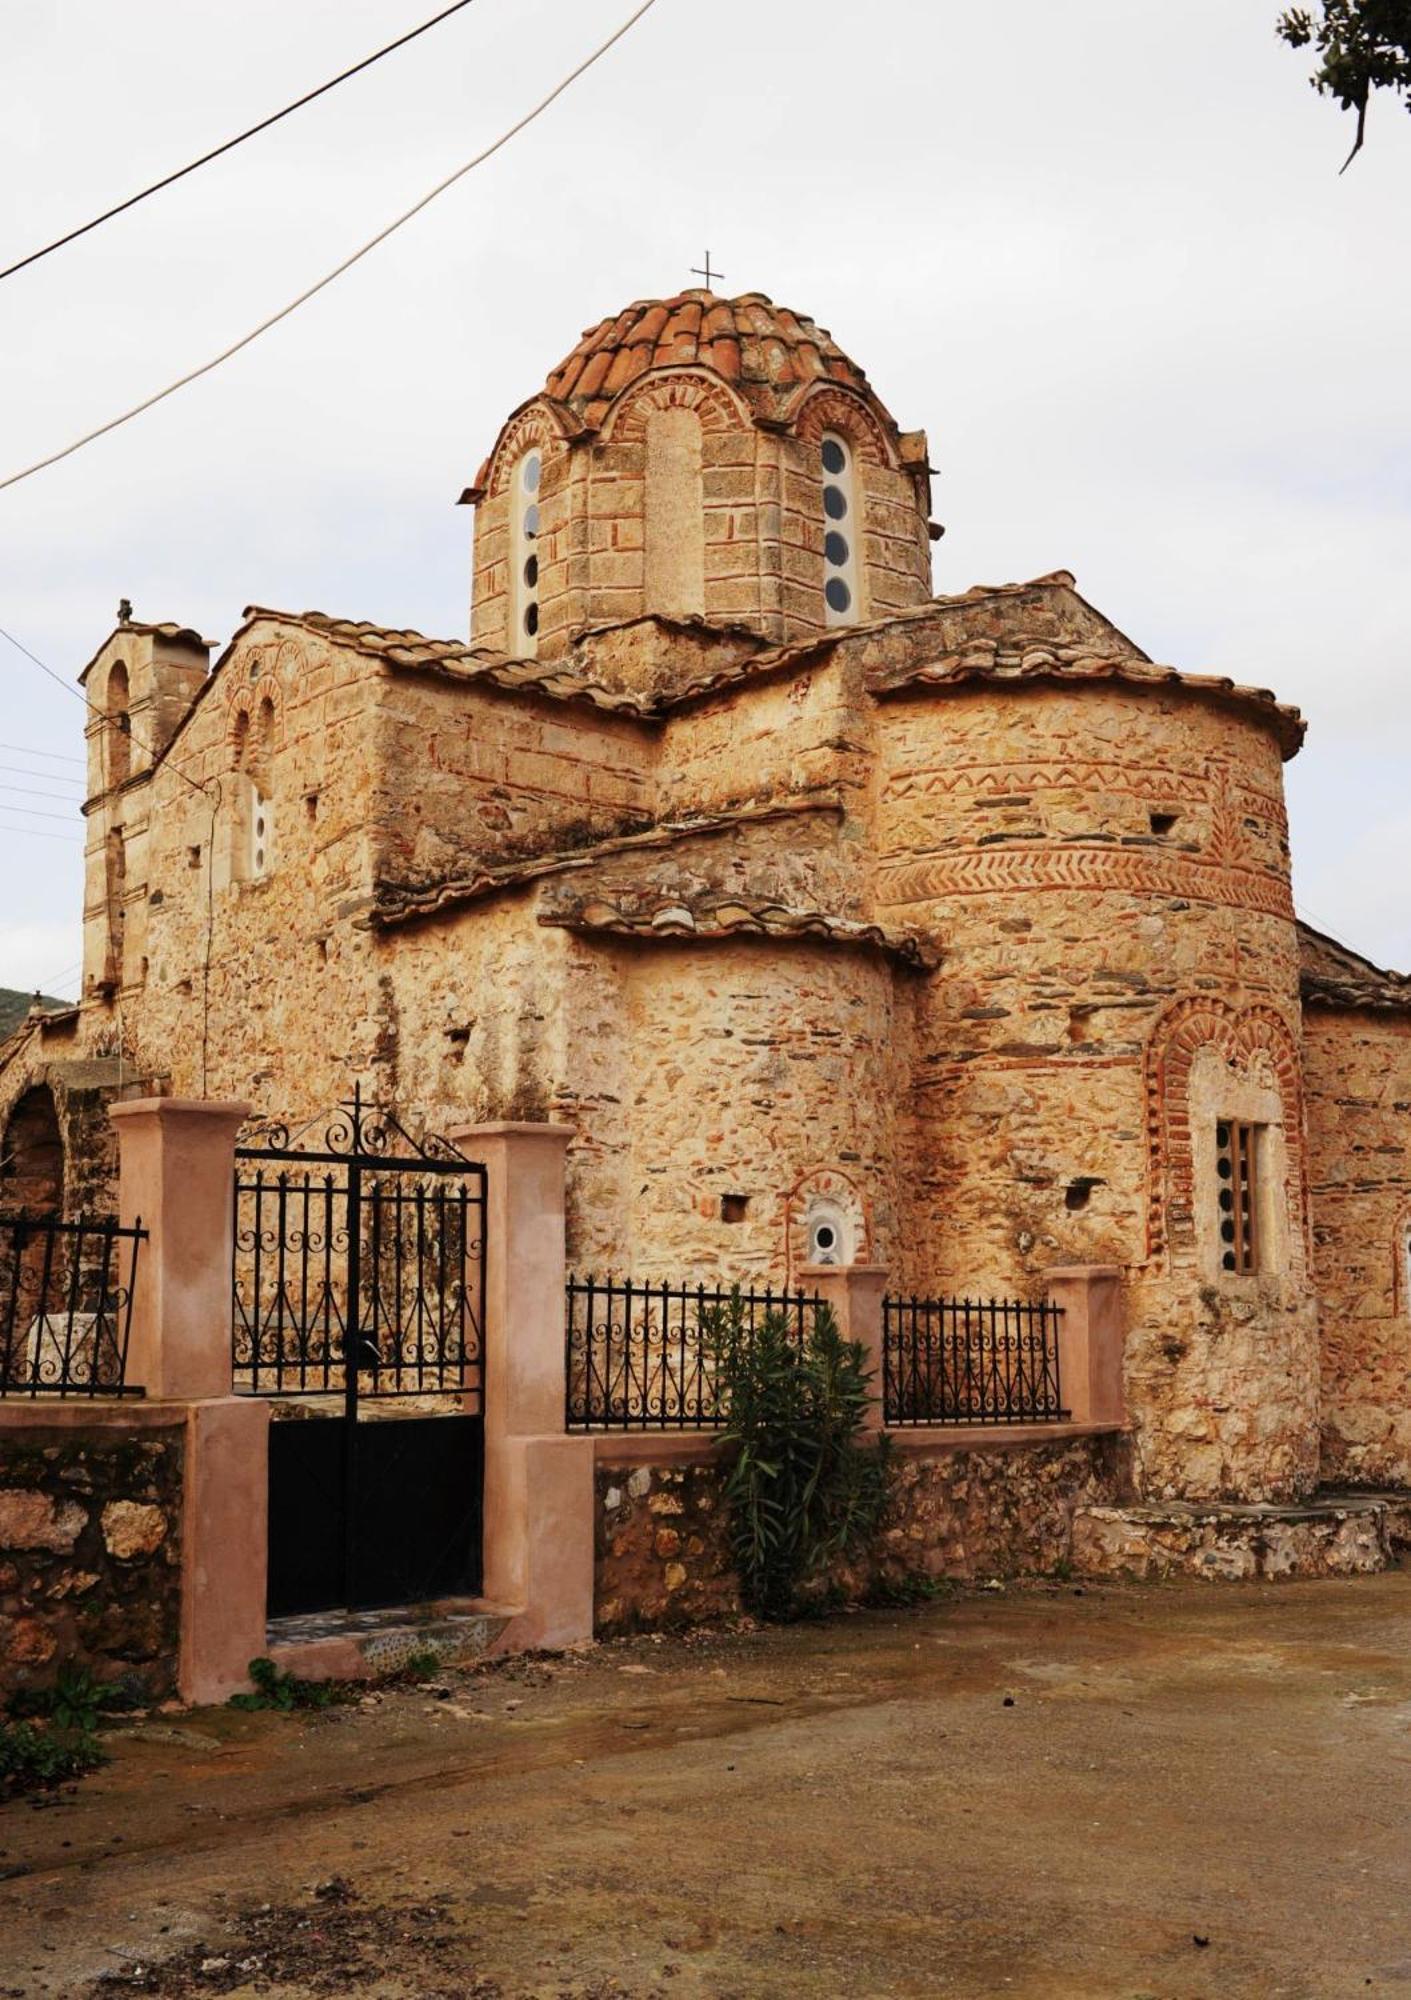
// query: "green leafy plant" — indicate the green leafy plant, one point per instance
point(276, 1689)
point(803, 1489)
point(35, 1757)
point(1362, 46)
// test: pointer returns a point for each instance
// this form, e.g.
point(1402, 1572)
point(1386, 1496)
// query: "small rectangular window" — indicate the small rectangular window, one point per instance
point(1237, 1148)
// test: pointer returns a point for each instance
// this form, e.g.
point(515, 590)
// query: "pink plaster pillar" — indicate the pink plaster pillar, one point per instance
point(538, 1480)
point(225, 1546)
point(176, 1171)
point(1090, 1339)
point(854, 1291)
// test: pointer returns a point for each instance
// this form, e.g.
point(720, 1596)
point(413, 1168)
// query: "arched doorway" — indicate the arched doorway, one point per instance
point(32, 1155)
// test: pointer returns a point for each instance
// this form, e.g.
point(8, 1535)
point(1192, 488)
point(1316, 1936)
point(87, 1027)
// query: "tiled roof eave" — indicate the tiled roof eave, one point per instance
point(393, 906)
point(732, 918)
point(1287, 723)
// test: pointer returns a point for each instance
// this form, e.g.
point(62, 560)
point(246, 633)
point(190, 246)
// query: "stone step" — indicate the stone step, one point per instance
point(362, 1645)
point(1334, 1534)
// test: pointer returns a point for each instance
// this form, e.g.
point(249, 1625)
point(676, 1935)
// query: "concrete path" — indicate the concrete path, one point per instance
point(1170, 1792)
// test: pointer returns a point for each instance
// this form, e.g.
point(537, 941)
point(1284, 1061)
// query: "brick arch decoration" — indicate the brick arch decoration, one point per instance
point(1239, 1035)
point(832, 1184)
point(832, 409)
point(245, 704)
point(538, 423)
point(674, 389)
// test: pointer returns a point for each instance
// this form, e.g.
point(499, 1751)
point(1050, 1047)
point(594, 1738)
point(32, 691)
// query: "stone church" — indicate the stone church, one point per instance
point(838, 919)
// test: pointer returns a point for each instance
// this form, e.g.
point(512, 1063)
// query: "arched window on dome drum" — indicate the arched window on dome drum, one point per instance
point(840, 531)
point(524, 556)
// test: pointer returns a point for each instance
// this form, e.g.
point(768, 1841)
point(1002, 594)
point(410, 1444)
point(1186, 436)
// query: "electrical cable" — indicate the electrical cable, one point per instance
point(32, 750)
point(38, 832)
point(208, 367)
point(102, 714)
point(47, 777)
point(33, 792)
point(37, 812)
point(229, 145)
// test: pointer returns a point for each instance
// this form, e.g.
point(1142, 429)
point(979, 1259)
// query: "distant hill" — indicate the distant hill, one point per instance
point(14, 1005)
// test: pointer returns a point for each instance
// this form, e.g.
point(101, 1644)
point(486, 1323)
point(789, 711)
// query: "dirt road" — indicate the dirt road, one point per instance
point(1174, 1793)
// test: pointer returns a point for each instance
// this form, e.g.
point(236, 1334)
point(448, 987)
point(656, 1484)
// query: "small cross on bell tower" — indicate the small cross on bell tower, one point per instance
point(707, 273)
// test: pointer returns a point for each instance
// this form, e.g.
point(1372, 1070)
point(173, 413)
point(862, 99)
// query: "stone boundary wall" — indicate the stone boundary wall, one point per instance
point(90, 1556)
point(1000, 1507)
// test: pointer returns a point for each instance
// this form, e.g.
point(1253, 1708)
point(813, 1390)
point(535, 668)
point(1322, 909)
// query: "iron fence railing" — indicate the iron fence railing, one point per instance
point(640, 1356)
point(66, 1292)
point(359, 1262)
point(971, 1361)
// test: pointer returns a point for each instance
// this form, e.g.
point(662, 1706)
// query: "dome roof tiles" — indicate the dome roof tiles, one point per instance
point(764, 351)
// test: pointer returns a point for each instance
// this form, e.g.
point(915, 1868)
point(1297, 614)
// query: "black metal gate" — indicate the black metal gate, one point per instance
point(359, 1302)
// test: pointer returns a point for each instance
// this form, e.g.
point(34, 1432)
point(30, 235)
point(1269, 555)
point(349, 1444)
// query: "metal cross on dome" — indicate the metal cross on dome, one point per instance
point(707, 273)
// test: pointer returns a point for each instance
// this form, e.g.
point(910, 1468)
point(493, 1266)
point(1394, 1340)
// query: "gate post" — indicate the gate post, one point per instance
point(1090, 1341)
point(854, 1291)
point(176, 1170)
point(538, 1528)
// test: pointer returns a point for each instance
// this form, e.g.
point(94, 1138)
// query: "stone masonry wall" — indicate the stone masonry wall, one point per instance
point(744, 1068)
point(662, 1533)
point(1358, 1068)
point(470, 776)
point(759, 506)
point(90, 1553)
point(1108, 872)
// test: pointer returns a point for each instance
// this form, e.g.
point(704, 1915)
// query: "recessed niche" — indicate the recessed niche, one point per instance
point(734, 1207)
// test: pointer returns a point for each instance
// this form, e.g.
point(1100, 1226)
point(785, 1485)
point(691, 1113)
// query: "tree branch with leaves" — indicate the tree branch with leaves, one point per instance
point(1363, 45)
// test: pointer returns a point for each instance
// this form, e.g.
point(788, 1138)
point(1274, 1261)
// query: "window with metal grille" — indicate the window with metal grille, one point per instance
point(524, 556)
point(839, 531)
point(1237, 1149)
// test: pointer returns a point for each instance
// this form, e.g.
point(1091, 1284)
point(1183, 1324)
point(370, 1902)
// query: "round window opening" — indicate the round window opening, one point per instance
point(531, 473)
point(829, 1236)
point(834, 457)
point(837, 593)
point(835, 547)
point(531, 619)
point(531, 571)
point(835, 502)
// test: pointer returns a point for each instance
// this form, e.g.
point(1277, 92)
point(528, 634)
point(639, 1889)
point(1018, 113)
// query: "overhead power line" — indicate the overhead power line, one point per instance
point(46, 777)
point(207, 367)
point(33, 792)
point(37, 812)
point(38, 833)
point(229, 145)
point(102, 714)
point(31, 750)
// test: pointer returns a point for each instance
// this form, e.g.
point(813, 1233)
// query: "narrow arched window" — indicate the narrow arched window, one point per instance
point(524, 556)
point(840, 531)
point(261, 858)
point(119, 729)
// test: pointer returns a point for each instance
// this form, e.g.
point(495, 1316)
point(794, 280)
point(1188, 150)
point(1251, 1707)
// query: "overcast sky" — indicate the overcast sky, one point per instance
point(1098, 249)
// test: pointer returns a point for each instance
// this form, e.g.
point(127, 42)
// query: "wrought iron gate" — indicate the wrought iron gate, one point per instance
point(359, 1302)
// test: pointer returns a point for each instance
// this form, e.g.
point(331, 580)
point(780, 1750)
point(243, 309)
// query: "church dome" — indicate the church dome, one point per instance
point(764, 351)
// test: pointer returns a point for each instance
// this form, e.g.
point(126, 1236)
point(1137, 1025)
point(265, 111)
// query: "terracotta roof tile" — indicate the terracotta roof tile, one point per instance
point(1333, 975)
point(707, 917)
point(762, 349)
point(555, 679)
point(397, 905)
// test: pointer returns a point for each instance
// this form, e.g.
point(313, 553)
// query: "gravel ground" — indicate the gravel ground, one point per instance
point(1152, 1793)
